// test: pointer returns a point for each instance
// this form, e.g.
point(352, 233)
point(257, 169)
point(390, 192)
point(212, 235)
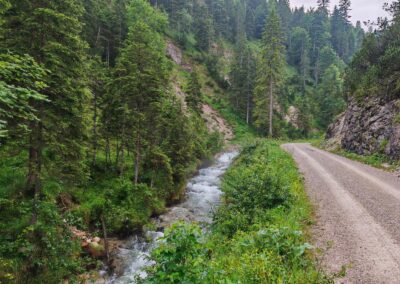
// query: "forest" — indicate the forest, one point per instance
point(101, 127)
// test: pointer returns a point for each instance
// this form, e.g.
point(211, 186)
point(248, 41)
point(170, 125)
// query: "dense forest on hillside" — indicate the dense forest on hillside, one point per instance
point(95, 136)
point(371, 123)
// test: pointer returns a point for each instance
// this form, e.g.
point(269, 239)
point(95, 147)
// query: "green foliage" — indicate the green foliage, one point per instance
point(31, 251)
point(330, 96)
point(397, 118)
point(141, 11)
point(269, 73)
point(180, 256)
point(21, 80)
point(193, 91)
point(376, 65)
point(124, 206)
point(263, 244)
point(243, 73)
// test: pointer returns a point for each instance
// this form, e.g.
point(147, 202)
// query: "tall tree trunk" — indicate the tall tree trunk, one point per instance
point(117, 149)
point(94, 129)
point(137, 158)
point(248, 108)
point(33, 185)
point(108, 151)
point(106, 247)
point(271, 106)
point(316, 70)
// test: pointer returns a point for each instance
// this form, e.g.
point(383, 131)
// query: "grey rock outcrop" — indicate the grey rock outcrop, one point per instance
point(368, 127)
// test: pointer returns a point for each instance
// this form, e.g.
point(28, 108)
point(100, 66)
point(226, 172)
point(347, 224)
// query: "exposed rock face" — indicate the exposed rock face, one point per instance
point(175, 53)
point(292, 116)
point(215, 123)
point(368, 127)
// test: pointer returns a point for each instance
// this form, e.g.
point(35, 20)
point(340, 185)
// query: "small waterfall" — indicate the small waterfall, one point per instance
point(202, 196)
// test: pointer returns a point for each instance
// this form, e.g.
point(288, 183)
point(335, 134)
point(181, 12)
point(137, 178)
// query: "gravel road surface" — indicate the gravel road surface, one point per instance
point(358, 215)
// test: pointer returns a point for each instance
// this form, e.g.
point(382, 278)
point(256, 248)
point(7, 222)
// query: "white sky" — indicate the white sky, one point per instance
point(362, 10)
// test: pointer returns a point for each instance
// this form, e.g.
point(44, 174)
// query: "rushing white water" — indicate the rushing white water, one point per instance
point(202, 196)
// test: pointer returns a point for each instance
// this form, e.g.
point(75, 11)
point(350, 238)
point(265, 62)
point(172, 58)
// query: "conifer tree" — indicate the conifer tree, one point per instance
point(203, 27)
point(139, 83)
point(193, 91)
point(50, 32)
point(270, 70)
point(298, 53)
point(243, 73)
point(330, 100)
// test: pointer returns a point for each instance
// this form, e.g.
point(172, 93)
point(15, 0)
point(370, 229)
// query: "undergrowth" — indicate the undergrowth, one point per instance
point(259, 232)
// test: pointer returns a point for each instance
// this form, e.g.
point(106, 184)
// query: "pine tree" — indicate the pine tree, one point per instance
point(242, 76)
point(330, 100)
point(193, 91)
point(270, 70)
point(298, 53)
point(203, 27)
point(181, 19)
point(50, 32)
point(139, 82)
point(323, 4)
point(319, 32)
point(344, 10)
point(285, 13)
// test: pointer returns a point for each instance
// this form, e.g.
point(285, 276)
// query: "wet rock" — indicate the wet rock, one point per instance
point(173, 215)
point(96, 250)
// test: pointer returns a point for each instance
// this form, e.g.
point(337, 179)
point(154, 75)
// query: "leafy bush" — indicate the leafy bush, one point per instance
point(181, 256)
point(125, 207)
point(40, 251)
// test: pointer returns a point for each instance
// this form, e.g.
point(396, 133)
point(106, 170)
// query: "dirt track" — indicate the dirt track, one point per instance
point(358, 215)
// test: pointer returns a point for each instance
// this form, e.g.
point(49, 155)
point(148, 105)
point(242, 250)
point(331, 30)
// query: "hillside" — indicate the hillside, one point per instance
point(371, 123)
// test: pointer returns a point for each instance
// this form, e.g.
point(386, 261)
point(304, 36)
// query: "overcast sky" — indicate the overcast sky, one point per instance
point(362, 10)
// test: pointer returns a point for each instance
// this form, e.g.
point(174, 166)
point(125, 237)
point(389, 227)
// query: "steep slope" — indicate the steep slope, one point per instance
point(214, 121)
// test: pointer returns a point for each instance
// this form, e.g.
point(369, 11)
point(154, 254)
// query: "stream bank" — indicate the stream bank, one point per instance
point(202, 197)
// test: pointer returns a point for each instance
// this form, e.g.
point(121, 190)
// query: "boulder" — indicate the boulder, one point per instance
point(96, 250)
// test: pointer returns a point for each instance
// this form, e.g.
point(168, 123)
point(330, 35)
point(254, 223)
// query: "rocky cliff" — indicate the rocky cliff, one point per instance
point(367, 127)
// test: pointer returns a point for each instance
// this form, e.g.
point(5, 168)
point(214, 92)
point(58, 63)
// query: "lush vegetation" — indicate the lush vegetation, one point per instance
point(92, 134)
point(374, 70)
point(259, 234)
point(99, 128)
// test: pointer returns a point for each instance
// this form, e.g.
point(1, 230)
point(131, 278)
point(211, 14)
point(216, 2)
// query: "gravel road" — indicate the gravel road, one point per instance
point(358, 215)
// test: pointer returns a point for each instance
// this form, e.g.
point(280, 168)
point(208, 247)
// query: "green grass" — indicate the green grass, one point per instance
point(376, 160)
point(259, 233)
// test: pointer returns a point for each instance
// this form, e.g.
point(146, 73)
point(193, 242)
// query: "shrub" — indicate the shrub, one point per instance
point(257, 233)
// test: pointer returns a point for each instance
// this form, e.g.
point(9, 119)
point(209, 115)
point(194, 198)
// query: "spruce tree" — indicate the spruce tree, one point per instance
point(50, 32)
point(139, 84)
point(193, 91)
point(203, 27)
point(270, 70)
point(243, 73)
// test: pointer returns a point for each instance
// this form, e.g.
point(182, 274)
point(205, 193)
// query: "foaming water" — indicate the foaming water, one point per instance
point(203, 194)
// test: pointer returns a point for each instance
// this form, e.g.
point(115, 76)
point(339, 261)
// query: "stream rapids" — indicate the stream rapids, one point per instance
point(203, 195)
